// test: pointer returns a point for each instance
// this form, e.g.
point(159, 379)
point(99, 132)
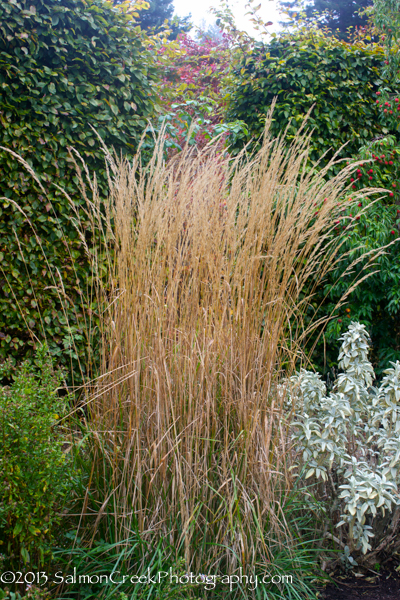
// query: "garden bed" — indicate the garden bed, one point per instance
point(385, 586)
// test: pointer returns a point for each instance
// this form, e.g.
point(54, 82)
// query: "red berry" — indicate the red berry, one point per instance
point(393, 232)
point(358, 217)
point(378, 93)
point(391, 195)
point(390, 112)
point(351, 179)
point(339, 320)
point(394, 184)
point(385, 110)
point(390, 162)
point(371, 177)
point(387, 104)
point(360, 204)
point(396, 99)
point(354, 187)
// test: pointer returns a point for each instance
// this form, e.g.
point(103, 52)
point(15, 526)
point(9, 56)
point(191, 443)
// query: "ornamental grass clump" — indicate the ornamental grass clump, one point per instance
point(349, 443)
point(212, 261)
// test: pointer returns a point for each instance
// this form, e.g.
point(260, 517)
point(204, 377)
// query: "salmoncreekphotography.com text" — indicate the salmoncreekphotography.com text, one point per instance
point(209, 582)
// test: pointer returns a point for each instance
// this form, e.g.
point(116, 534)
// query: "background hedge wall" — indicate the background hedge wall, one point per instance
point(63, 67)
point(301, 70)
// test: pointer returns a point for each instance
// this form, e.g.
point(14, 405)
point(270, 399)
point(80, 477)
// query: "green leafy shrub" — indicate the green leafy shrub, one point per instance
point(35, 473)
point(376, 301)
point(365, 227)
point(306, 69)
point(63, 68)
point(349, 443)
point(194, 77)
point(380, 169)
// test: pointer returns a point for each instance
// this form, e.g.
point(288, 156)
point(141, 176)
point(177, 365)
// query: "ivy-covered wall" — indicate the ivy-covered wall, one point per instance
point(63, 67)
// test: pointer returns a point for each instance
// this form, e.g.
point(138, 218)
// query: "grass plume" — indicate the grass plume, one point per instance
point(214, 261)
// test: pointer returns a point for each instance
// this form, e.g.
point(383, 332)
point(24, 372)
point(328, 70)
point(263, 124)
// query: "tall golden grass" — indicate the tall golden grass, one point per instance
point(205, 268)
point(212, 261)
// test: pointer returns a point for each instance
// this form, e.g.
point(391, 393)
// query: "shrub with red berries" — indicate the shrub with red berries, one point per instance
point(381, 168)
point(364, 227)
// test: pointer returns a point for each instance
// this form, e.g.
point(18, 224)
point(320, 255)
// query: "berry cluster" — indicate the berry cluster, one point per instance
point(365, 175)
point(382, 166)
point(388, 106)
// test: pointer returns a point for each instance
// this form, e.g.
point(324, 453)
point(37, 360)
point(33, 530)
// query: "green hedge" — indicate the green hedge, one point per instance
point(341, 79)
point(301, 70)
point(63, 67)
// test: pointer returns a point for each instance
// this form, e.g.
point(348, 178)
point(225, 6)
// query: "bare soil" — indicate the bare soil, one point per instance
point(382, 586)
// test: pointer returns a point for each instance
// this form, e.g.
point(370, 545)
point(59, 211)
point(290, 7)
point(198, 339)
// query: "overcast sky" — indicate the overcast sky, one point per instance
point(199, 10)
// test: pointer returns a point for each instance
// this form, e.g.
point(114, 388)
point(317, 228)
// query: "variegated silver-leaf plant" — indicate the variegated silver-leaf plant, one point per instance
point(350, 440)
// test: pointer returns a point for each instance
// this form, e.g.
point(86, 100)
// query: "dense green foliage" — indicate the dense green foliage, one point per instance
point(353, 105)
point(367, 227)
point(35, 474)
point(387, 22)
point(63, 68)
point(339, 79)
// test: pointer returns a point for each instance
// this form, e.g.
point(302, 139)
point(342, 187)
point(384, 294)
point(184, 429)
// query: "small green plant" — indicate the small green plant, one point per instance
point(34, 470)
point(32, 593)
point(192, 122)
point(347, 560)
point(349, 440)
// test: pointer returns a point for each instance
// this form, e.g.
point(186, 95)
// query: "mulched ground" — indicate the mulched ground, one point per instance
point(385, 586)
